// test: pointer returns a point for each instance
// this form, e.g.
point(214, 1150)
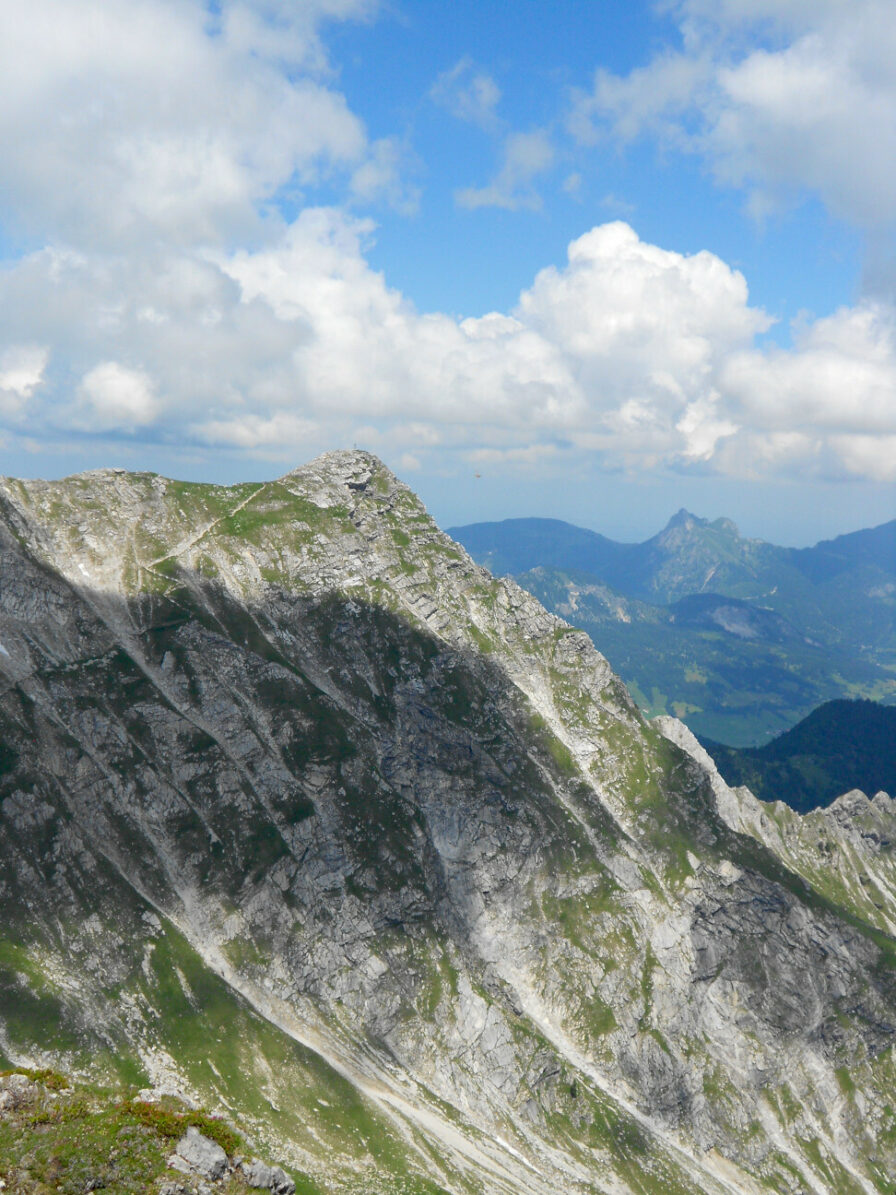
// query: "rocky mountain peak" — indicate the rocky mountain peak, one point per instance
point(683, 519)
point(353, 470)
point(684, 526)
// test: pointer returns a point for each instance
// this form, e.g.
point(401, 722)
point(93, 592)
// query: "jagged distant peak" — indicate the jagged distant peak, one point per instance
point(685, 520)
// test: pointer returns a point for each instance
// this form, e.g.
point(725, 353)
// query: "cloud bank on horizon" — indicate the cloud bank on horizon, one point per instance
point(189, 203)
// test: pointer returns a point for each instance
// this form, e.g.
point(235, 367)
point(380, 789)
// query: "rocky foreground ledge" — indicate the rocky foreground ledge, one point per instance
point(56, 1135)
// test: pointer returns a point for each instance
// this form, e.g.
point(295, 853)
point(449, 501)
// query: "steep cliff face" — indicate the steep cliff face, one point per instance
point(307, 815)
point(844, 851)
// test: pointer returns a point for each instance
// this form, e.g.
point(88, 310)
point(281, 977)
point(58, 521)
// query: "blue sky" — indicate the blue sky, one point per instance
point(594, 261)
point(801, 259)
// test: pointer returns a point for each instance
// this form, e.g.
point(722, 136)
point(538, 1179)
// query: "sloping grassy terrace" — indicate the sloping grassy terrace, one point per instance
point(59, 1136)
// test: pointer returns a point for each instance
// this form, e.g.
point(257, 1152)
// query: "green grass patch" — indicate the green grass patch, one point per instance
point(49, 1078)
point(548, 741)
point(166, 1120)
point(73, 1138)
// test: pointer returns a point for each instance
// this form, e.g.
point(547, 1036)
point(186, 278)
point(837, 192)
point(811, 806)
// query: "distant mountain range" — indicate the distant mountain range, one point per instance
point(738, 637)
point(842, 745)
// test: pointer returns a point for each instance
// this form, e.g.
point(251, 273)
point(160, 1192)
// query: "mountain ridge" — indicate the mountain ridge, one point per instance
point(307, 813)
point(841, 746)
point(523, 538)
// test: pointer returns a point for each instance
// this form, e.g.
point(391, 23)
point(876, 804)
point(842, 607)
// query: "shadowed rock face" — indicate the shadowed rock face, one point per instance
point(306, 814)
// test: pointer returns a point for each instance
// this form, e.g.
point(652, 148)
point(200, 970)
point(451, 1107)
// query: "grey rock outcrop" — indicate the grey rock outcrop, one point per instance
point(844, 851)
point(201, 1154)
point(16, 1091)
point(260, 1176)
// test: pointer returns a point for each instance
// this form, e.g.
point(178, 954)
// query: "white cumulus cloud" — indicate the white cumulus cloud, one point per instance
point(123, 119)
point(21, 372)
point(469, 93)
point(838, 377)
point(524, 156)
point(639, 355)
point(111, 396)
point(784, 97)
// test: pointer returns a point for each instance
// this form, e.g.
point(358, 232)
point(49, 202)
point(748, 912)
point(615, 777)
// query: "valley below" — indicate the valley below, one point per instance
point(739, 638)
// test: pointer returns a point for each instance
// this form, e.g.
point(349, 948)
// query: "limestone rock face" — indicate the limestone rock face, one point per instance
point(16, 1091)
point(305, 814)
point(260, 1176)
point(845, 851)
point(201, 1154)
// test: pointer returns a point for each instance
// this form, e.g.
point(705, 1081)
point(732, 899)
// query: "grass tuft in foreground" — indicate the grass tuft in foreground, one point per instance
point(58, 1135)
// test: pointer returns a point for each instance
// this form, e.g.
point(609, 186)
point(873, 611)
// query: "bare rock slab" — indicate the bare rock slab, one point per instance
point(202, 1154)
